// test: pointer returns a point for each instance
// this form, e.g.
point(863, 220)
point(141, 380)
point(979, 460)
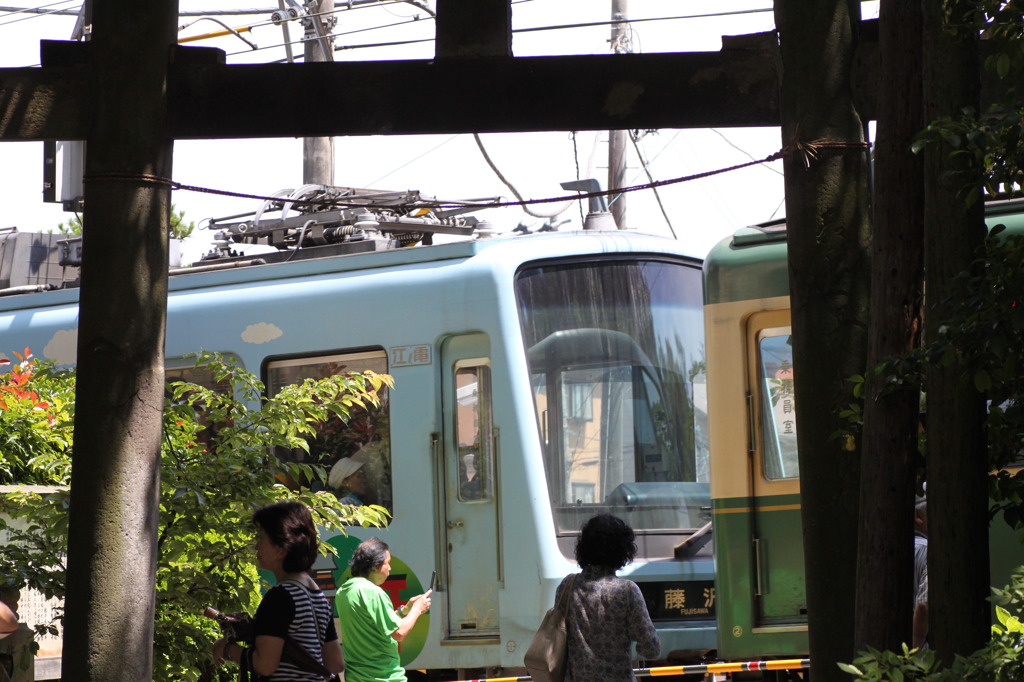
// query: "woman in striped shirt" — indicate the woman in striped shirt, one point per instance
point(295, 610)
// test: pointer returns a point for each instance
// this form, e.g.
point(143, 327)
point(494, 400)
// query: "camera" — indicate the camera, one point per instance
point(237, 627)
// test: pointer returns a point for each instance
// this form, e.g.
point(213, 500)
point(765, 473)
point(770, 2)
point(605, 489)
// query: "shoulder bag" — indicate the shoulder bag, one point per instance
point(293, 652)
point(545, 659)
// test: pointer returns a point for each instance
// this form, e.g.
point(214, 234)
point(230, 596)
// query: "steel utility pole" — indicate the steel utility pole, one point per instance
point(318, 152)
point(621, 44)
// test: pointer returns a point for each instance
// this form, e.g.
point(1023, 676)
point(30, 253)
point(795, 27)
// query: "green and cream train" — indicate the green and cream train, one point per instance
point(755, 478)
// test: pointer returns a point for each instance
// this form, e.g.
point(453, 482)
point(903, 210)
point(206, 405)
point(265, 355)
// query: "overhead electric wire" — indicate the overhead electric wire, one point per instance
point(344, 33)
point(39, 14)
point(339, 34)
point(189, 13)
point(612, 22)
point(411, 161)
point(414, 20)
point(647, 171)
point(740, 149)
point(38, 9)
point(227, 31)
point(398, 43)
point(529, 211)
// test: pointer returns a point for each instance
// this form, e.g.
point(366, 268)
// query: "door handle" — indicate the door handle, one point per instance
point(452, 525)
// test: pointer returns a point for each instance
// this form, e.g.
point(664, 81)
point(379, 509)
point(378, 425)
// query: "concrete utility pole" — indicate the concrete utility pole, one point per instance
point(318, 152)
point(115, 475)
point(621, 44)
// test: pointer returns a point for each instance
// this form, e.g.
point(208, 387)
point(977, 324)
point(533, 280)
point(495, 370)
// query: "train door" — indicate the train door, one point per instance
point(472, 543)
point(778, 534)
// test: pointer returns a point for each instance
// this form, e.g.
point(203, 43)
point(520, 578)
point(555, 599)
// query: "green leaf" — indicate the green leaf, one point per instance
point(207, 492)
point(847, 668)
point(1003, 65)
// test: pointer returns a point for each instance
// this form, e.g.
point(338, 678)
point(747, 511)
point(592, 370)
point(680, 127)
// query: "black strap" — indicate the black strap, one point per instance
point(292, 653)
point(295, 653)
point(245, 664)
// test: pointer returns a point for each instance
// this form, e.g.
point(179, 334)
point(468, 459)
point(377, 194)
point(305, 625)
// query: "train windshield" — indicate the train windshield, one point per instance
point(616, 357)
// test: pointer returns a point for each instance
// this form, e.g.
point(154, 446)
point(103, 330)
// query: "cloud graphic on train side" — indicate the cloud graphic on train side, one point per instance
point(63, 347)
point(261, 332)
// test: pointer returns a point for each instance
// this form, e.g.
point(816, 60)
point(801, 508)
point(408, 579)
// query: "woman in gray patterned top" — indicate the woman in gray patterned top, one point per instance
point(606, 613)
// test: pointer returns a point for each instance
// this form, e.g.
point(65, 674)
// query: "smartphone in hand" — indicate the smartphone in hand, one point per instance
point(433, 581)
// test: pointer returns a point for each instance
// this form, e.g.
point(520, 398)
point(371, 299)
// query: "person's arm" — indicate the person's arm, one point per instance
point(334, 660)
point(271, 623)
point(920, 624)
point(415, 608)
point(641, 627)
point(8, 620)
point(267, 654)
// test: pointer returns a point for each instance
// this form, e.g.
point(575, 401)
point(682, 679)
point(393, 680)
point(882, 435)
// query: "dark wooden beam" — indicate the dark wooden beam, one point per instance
point(213, 100)
point(692, 90)
point(737, 86)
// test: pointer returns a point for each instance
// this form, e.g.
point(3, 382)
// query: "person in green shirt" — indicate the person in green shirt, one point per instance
point(370, 627)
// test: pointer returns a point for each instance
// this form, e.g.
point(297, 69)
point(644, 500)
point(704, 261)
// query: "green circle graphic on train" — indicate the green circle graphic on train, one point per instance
point(401, 585)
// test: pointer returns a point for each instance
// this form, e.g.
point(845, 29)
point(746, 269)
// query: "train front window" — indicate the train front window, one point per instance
point(616, 357)
point(778, 408)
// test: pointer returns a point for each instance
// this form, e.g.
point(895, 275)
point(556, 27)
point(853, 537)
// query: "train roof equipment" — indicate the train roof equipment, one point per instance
point(316, 221)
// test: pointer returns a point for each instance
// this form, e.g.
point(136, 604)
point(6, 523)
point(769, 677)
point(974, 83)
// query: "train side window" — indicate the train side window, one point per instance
point(473, 429)
point(184, 369)
point(778, 409)
point(357, 454)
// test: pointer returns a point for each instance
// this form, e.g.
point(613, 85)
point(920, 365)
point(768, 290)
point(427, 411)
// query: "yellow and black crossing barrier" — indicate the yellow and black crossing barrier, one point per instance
point(725, 668)
point(707, 669)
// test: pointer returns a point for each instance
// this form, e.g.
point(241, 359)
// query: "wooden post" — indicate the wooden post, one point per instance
point(886, 535)
point(115, 477)
point(828, 226)
point(958, 552)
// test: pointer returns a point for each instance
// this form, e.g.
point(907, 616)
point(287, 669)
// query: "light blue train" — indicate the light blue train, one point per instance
point(539, 379)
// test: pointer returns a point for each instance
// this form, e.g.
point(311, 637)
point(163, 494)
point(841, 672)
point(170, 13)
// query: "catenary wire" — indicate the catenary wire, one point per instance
point(38, 15)
point(533, 29)
point(647, 171)
point(411, 161)
point(417, 19)
point(551, 213)
point(38, 9)
point(740, 149)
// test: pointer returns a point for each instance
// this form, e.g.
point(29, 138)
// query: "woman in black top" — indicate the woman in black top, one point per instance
point(295, 608)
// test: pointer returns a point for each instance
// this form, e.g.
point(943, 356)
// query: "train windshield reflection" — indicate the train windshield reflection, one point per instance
point(617, 364)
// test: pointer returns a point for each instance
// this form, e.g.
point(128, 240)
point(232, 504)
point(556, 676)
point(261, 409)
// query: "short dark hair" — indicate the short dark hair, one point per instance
point(370, 554)
point(605, 540)
point(289, 525)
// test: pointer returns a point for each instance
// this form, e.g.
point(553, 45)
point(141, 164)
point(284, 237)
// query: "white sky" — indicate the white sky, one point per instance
point(446, 166)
